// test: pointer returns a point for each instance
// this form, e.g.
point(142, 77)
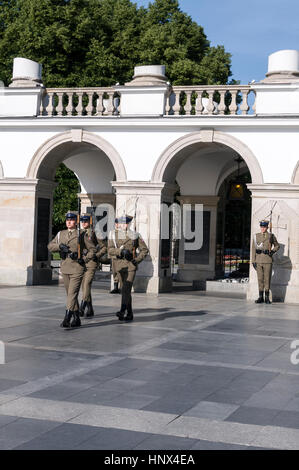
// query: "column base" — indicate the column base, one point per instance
point(28, 277)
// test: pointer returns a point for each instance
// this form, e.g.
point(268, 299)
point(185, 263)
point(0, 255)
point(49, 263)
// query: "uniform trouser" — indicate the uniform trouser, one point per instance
point(72, 283)
point(126, 281)
point(86, 284)
point(115, 274)
point(264, 272)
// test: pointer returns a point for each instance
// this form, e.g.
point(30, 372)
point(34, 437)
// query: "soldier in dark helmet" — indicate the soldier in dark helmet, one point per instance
point(123, 245)
point(91, 265)
point(264, 245)
point(70, 244)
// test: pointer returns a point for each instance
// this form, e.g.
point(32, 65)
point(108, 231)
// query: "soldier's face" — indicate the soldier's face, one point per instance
point(85, 224)
point(71, 223)
point(264, 229)
point(123, 227)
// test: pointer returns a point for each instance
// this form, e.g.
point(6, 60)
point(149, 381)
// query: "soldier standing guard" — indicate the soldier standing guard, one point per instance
point(91, 265)
point(264, 245)
point(70, 244)
point(122, 246)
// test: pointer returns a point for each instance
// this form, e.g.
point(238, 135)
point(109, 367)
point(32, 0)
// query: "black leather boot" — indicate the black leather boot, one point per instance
point(115, 290)
point(67, 319)
point(129, 316)
point(267, 300)
point(121, 313)
point(90, 312)
point(260, 300)
point(76, 319)
point(82, 308)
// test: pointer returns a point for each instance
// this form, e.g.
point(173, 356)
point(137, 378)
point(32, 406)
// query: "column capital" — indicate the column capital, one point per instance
point(274, 190)
point(138, 188)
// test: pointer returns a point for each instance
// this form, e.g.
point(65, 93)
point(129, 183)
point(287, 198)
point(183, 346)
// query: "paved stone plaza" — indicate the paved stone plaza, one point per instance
point(191, 372)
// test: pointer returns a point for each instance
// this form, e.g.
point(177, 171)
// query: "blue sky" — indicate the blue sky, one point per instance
point(249, 30)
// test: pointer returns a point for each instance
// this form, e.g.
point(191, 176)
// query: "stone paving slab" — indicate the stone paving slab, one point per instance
point(215, 374)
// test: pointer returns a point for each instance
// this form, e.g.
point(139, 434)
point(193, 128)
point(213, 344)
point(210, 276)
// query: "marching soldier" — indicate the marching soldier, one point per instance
point(90, 265)
point(70, 244)
point(122, 246)
point(264, 245)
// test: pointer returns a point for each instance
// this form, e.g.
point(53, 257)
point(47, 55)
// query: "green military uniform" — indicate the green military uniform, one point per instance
point(71, 269)
point(264, 245)
point(116, 280)
point(91, 266)
point(121, 248)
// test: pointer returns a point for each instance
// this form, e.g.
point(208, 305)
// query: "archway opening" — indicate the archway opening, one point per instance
point(202, 175)
point(88, 173)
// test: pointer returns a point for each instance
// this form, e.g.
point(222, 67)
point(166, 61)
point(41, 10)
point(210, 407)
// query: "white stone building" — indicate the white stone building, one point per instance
point(157, 143)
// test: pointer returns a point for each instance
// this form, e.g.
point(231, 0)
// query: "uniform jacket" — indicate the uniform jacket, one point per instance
point(118, 241)
point(263, 241)
point(69, 266)
point(101, 248)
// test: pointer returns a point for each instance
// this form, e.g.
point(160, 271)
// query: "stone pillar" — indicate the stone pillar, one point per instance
point(283, 199)
point(23, 97)
point(25, 212)
point(148, 196)
point(278, 92)
point(200, 265)
point(146, 94)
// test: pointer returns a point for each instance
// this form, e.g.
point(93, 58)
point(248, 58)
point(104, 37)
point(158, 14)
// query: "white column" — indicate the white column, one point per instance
point(24, 259)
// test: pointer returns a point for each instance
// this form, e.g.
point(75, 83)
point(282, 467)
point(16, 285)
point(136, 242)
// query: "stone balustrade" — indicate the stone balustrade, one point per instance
point(181, 100)
point(211, 100)
point(80, 102)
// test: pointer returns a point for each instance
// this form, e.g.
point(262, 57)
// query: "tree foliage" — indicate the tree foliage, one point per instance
point(98, 42)
point(65, 196)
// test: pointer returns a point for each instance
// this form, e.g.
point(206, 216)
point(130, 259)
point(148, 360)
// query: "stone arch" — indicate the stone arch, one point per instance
point(295, 175)
point(207, 136)
point(76, 136)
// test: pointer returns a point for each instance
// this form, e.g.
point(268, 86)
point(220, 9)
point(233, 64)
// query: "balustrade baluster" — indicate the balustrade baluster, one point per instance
point(233, 107)
point(188, 105)
point(210, 107)
point(43, 104)
point(109, 105)
point(177, 105)
point(99, 105)
point(69, 107)
point(79, 107)
point(89, 107)
point(59, 107)
point(244, 105)
point(168, 107)
point(50, 104)
point(222, 105)
point(198, 103)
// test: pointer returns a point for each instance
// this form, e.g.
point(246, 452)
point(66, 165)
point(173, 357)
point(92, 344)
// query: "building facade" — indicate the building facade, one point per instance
point(149, 142)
